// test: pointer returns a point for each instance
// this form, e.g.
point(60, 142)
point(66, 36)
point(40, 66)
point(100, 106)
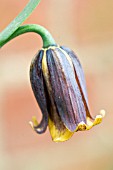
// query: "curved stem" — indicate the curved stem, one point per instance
point(13, 26)
point(45, 35)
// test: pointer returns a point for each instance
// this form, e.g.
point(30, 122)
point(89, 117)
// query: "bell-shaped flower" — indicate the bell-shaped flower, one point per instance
point(58, 84)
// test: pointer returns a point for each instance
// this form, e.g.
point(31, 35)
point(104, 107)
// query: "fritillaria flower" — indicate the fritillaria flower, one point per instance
point(58, 84)
point(57, 81)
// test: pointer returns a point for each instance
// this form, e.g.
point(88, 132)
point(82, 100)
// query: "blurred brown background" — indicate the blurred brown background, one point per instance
point(87, 27)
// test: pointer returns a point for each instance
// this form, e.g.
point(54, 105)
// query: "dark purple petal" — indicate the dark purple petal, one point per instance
point(65, 89)
point(39, 89)
point(79, 77)
point(53, 78)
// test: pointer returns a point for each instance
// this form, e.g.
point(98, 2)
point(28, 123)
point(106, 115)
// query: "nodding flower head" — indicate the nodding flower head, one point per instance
point(58, 83)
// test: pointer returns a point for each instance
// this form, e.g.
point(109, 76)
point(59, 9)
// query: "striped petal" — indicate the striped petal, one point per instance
point(39, 89)
point(58, 131)
point(65, 89)
point(79, 77)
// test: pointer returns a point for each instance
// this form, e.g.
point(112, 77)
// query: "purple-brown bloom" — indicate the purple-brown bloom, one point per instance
point(58, 83)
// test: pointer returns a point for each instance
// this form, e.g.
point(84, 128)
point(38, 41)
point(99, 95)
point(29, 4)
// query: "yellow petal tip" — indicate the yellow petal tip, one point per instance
point(33, 123)
point(57, 135)
point(81, 126)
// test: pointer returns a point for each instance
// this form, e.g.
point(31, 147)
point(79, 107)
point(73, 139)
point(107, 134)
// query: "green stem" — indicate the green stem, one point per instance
point(13, 26)
point(45, 35)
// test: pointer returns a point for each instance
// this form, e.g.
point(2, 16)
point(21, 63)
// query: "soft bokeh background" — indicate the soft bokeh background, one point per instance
point(87, 27)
